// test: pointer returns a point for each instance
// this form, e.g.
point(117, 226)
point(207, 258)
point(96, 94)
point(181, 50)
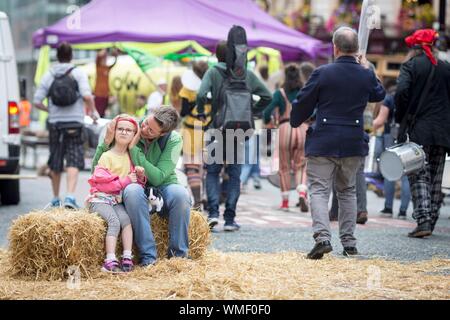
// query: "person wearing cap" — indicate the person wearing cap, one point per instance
point(157, 150)
point(192, 128)
point(431, 128)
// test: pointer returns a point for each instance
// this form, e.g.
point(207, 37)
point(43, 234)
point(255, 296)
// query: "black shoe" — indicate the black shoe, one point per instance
point(402, 214)
point(319, 250)
point(256, 184)
point(386, 212)
point(212, 222)
point(361, 218)
point(303, 204)
point(350, 251)
point(422, 230)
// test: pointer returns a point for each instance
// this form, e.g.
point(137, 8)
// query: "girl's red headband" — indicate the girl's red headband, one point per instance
point(129, 120)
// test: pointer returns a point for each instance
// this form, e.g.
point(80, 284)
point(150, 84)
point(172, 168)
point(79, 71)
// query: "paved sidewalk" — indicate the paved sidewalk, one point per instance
point(266, 229)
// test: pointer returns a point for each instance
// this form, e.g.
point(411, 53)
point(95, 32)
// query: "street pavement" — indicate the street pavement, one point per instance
point(266, 229)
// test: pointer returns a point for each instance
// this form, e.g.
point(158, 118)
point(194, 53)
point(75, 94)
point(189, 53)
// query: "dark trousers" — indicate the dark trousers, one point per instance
point(426, 186)
point(213, 190)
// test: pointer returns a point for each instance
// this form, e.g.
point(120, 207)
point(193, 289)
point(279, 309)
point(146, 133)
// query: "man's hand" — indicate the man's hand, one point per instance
point(269, 125)
point(41, 106)
point(362, 60)
point(110, 132)
point(136, 139)
point(94, 116)
point(133, 177)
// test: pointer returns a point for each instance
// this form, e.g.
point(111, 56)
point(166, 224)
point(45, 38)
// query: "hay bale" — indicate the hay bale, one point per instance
point(199, 235)
point(44, 244)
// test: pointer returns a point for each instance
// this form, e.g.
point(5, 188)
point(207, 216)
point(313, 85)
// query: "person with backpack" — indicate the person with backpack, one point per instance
point(67, 89)
point(231, 86)
point(157, 151)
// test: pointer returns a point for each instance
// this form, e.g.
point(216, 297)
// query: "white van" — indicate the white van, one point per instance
point(9, 116)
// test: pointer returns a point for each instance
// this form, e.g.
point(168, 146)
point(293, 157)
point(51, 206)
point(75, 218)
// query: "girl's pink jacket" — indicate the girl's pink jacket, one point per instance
point(102, 180)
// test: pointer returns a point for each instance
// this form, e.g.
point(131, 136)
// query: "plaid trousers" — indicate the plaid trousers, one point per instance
point(426, 186)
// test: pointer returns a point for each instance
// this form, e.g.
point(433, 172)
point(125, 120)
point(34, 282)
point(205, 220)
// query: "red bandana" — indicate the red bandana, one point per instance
point(424, 38)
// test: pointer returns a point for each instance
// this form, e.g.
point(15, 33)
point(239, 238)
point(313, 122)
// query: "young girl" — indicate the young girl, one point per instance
point(112, 174)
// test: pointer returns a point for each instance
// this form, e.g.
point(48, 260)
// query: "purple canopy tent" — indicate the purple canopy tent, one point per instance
point(153, 21)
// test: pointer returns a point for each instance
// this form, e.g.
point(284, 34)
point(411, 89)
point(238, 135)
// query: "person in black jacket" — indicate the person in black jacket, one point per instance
point(431, 128)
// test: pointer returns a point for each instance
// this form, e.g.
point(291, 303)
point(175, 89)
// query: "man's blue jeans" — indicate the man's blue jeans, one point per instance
point(177, 206)
point(213, 190)
point(387, 141)
point(389, 192)
point(251, 167)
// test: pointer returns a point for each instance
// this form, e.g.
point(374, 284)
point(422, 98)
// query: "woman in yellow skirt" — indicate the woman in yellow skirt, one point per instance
point(192, 129)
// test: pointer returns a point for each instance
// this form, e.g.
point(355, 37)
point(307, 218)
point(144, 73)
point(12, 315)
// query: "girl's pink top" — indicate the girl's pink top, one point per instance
point(102, 180)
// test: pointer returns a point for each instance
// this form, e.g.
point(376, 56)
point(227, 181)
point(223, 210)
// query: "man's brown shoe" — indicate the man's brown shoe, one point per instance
point(361, 218)
point(422, 230)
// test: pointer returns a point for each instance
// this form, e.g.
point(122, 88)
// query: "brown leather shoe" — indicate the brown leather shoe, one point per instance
point(361, 218)
point(422, 230)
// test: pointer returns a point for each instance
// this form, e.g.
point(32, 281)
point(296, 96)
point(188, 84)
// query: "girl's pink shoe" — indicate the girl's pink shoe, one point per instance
point(127, 265)
point(111, 266)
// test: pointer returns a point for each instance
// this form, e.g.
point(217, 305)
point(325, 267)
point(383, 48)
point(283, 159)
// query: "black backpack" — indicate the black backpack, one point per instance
point(64, 89)
point(235, 98)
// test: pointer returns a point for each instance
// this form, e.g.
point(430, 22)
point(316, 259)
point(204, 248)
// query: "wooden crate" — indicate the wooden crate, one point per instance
point(387, 66)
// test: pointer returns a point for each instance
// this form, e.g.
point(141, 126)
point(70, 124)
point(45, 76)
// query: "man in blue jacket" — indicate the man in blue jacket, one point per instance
point(335, 144)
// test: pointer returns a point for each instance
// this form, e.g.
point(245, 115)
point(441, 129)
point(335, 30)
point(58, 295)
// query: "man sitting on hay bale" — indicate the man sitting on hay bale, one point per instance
point(157, 152)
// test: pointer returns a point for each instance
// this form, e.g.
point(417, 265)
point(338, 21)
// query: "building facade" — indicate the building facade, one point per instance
point(27, 16)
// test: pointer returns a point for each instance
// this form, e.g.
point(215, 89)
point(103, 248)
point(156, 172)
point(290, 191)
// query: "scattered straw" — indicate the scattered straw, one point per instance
point(248, 276)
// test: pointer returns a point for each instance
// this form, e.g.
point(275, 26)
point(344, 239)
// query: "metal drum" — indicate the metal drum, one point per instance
point(446, 176)
point(401, 159)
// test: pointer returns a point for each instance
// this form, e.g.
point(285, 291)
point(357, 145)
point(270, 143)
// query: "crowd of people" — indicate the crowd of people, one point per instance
point(322, 142)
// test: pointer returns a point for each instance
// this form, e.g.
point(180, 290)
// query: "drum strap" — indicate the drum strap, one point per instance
point(409, 120)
